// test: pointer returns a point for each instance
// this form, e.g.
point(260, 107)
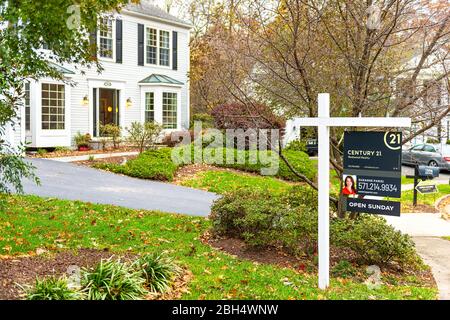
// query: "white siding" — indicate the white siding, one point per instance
point(123, 76)
point(128, 74)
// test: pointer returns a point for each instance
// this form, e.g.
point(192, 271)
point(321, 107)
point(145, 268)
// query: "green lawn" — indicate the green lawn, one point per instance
point(427, 199)
point(225, 181)
point(28, 223)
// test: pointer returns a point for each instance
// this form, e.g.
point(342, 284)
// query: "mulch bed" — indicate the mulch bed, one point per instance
point(444, 207)
point(419, 208)
point(22, 271)
point(112, 159)
point(74, 153)
point(275, 256)
point(271, 255)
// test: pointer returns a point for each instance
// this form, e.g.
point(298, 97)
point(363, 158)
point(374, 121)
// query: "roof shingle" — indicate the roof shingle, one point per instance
point(153, 11)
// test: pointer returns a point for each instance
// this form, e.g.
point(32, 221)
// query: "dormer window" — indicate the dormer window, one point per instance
point(106, 38)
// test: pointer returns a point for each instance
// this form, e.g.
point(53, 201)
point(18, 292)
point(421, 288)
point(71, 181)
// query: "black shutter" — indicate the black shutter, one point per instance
point(93, 43)
point(175, 50)
point(119, 41)
point(140, 44)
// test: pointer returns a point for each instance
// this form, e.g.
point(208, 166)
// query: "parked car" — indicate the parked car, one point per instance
point(426, 154)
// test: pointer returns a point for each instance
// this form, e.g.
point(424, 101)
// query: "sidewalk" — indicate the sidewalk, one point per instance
point(427, 230)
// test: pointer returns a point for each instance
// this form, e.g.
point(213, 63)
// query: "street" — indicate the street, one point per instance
point(443, 176)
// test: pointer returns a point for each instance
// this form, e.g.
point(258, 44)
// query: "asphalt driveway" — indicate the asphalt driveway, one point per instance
point(74, 182)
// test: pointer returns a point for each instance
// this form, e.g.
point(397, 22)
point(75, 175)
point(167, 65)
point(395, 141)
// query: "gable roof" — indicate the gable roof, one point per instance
point(155, 12)
point(159, 79)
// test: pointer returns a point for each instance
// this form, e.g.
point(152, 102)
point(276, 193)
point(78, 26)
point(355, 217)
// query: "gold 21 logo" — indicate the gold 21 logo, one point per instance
point(393, 140)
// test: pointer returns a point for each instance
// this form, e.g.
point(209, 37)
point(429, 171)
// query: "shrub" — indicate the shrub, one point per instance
point(296, 145)
point(82, 140)
point(262, 219)
point(448, 141)
point(433, 141)
point(112, 131)
point(51, 289)
point(62, 149)
point(299, 161)
point(151, 164)
point(113, 280)
point(174, 138)
point(206, 119)
point(373, 240)
point(290, 220)
point(157, 271)
point(144, 135)
point(42, 152)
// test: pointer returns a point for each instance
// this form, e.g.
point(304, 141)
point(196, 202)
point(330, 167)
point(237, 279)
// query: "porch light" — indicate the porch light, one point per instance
point(129, 103)
point(85, 101)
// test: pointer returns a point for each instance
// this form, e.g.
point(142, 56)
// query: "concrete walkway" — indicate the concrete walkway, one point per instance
point(73, 182)
point(427, 230)
point(436, 253)
point(421, 224)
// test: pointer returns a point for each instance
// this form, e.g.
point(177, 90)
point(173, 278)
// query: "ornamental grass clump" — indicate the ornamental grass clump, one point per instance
point(113, 280)
point(51, 289)
point(157, 270)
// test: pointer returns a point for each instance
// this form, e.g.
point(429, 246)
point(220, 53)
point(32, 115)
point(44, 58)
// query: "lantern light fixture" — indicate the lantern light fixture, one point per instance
point(85, 101)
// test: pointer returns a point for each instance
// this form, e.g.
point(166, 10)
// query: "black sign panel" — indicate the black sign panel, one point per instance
point(373, 151)
point(372, 167)
point(388, 208)
point(372, 163)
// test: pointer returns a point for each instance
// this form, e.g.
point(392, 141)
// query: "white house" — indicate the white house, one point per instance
point(145, 55)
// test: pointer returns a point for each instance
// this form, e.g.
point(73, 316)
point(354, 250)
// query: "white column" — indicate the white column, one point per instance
point(324, 191)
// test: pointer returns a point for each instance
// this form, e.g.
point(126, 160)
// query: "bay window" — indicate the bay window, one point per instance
point(53, 106)
point(149, 107)
point(169, 110)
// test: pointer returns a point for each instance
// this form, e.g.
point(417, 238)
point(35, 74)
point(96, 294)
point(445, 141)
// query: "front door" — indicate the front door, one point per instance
point(106, 110)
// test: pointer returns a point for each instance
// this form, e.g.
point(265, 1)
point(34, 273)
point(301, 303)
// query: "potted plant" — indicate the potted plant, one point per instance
point(82, 141)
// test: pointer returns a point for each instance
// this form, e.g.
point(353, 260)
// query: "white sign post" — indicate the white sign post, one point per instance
point(324, 122)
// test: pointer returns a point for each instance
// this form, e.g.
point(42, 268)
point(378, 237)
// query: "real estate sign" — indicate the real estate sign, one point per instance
point(372, 167)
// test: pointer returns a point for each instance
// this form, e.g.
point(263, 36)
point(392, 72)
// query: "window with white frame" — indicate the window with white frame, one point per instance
point(157, 47)
point(27, 107)
point(106, 39)
point(164, 48)
point(169, 110)
point(152, 46)
point(149, 107)
point(53, 106)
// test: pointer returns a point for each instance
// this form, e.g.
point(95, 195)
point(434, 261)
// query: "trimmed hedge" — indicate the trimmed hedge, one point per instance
point(299, 160)
point(151, 164)
point(158, 165)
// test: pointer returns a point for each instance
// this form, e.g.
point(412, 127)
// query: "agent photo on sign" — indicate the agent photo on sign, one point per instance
point(349, 185)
